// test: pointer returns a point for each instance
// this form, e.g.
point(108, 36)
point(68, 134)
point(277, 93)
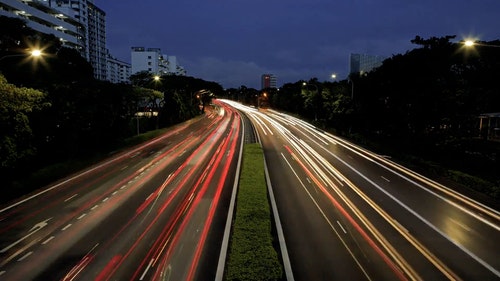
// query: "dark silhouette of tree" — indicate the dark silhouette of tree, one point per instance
point(16, 106)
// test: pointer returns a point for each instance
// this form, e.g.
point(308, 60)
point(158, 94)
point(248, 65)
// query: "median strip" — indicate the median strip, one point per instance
point(251, 252)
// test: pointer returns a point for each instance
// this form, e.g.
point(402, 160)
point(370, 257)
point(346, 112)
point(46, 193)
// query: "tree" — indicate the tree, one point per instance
point(337, 105)
point(290, 98)
point(16, 105)
point(313, 98)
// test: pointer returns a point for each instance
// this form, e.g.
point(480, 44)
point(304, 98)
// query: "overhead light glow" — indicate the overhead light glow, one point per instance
point(469, 43)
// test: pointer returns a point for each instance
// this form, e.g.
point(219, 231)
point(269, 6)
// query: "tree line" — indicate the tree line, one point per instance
point(53, 110)
point(426, 102)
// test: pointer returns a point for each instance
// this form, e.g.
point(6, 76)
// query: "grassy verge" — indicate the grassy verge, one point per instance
point(251, 252)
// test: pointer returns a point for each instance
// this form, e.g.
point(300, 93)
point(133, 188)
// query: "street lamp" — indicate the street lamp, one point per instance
point(334, 76)
point(315, 97)
point(307, 85)
point(35, 53)
point(470, 43)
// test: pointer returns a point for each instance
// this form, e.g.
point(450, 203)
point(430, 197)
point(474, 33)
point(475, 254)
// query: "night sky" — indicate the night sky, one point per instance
point(233, 42)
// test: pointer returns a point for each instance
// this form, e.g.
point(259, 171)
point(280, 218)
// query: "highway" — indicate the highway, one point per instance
point(158, 211)
point(155, 211)
point(349, 214)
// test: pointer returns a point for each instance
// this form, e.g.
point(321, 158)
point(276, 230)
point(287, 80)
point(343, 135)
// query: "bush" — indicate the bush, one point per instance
point(475, 183)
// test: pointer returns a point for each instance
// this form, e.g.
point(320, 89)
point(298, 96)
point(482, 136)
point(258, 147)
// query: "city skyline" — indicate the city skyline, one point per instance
point(234, 43)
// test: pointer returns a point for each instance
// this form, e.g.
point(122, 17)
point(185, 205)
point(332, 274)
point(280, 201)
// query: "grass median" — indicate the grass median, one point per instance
point(251, 252)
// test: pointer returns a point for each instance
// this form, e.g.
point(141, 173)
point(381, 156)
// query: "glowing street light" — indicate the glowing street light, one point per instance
point(35, 53)
point(471, 43)
point(334, 76)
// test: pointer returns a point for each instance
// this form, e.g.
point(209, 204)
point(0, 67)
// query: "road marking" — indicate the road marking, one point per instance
point(34, 229)
point(105, 199)
point(66, 227)
point(81, 217)
point(341, 227)
point(147, 268)
point(114, 193)
point(2, 272)
point(25, 256)
point(95, 206)
point(386, 179)
point(48, 240)
point(124, 168)
point(123, 186)
point(70, 198)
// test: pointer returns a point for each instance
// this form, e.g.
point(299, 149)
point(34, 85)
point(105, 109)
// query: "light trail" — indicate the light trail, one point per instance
point(394, 168)
point(179, 215)
point(396, 270)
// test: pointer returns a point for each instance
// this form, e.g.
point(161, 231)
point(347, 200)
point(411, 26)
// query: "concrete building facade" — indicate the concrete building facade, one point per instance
point(268, 81)
point(363, 63)
point(118, 71)
point(153, 61)
point(93, 19)
point(79, 24)
point(45, 19)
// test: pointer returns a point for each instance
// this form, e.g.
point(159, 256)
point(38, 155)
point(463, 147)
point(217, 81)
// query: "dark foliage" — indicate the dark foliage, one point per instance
point(73, 115)
point(425, 102)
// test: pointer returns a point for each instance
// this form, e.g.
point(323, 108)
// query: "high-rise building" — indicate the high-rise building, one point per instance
point(77, 23)
point(118, 71)
point(153, 61)
point(173, 67)
point(363, 63)
point(93, 19)
point(268, 81)
point(40, 16)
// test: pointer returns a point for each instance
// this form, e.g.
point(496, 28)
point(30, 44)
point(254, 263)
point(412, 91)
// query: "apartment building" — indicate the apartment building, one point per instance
point(152, 60)
point(363, 63)
point(79, 24)
point(43, 18)
point(268, 81)
point(118, 71)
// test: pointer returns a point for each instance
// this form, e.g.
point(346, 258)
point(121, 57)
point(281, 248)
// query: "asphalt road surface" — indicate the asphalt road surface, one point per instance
point(349, 214)
point(159, 211)
point(153, 212)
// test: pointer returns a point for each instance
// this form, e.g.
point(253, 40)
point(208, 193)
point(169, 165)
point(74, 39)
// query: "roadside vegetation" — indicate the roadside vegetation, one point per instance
point(251, 252)
point(422, 107)
point(56, 118)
